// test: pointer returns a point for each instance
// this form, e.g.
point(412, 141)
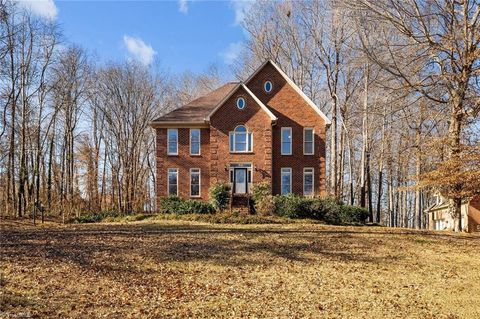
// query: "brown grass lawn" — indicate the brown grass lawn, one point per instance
point(175, 269)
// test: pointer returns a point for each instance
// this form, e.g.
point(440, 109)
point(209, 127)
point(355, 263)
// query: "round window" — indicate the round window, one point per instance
point(241, 103)
point(268, 86)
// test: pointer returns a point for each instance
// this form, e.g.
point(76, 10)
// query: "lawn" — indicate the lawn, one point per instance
point(178, 269)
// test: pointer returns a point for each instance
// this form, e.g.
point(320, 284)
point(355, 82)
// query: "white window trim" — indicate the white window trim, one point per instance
point(199, 141)
point(281, 179)
point(233, 133)
point(281, 140)
point(168, 141)
point(244, 103)
point(265, 86)
point(313, 181)
point(199, 183)
point(168, 180)
point(313, 140)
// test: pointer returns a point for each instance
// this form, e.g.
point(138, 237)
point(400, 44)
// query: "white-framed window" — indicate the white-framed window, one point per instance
point(195, 182)
point(241, 103)
point(308, 180)
point(172, 182)
point(195, 141)
point(286, 180)
point(286, 138)
point(172, 141)
point(268, 86)
point(308, 141)
point(241, 140)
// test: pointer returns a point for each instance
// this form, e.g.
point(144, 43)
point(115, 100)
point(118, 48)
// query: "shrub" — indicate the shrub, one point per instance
point(349, 214)
point(176, 205)
point(260, 191)
point(220, 196)
point(326, 209)
point(265, 206)
point(291, 205)
point(94, 217)
point(169, 204)
point(263, 201)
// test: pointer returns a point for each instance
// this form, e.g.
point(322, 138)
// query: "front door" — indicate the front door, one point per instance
point(240, 183)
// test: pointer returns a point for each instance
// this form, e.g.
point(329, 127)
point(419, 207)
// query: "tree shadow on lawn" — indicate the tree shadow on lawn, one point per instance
point(111, 247)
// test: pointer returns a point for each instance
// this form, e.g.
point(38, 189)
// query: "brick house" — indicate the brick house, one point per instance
point(263, 129)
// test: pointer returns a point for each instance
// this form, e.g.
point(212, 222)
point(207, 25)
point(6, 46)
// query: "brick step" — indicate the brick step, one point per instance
point(241, 203)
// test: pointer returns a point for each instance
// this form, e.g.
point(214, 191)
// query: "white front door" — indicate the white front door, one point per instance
point(240, 181)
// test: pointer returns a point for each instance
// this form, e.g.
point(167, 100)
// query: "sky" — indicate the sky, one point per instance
point(177, 35)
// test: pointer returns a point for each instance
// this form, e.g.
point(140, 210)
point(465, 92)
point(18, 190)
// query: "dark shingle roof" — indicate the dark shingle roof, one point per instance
point(196, 110)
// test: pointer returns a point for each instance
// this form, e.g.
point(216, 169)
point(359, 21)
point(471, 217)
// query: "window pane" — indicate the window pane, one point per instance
point(231, 142)
point(286, 141)
point(250, 142)
point(285, 181)
point(308, 148)
point(195, 148)
point(308, 141)
point(172, 141)
point(308, 184)
point(195, 141)
point(241, 129)
point(172, 182)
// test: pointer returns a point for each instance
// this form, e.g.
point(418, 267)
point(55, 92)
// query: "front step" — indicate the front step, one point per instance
point(241, 202)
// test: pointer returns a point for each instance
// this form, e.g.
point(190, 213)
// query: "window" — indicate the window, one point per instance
point(241, 103)
point(268, 86)
point(241, 140)
point(308, 143)
point(195, 182)
point(286, 140)
point(286, 181)
point(194, 141)
point(172, 141)
point(172, 181)
point(308, 181)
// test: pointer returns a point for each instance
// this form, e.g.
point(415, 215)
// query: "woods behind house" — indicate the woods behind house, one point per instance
point(398, 79)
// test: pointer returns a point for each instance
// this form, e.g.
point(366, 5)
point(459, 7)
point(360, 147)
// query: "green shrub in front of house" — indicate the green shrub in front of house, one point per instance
point(353, 214)
point(219, 196)
point(292, 206)
point(326, 209)
point(176, 205)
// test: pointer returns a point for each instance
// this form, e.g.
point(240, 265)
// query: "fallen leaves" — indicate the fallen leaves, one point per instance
point(187, 269)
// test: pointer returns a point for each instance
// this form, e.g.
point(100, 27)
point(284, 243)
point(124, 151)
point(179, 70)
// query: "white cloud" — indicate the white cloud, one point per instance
point(183, 6)
point(43, 8)
point(139, 50)
point(232, 52)
point(241, 7)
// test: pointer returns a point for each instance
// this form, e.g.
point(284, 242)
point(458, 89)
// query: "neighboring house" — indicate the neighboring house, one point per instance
point(263, 129)
point(439, 217)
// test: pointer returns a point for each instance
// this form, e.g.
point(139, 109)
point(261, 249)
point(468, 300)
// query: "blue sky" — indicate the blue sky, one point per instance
point(177, 35)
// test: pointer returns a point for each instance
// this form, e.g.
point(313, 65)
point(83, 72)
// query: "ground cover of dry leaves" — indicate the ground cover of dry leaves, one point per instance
point(175, 269)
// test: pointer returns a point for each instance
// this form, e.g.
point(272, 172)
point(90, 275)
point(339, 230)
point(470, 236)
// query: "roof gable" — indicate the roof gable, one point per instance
point(260, 103)
point(195, 111)
point(294, 86)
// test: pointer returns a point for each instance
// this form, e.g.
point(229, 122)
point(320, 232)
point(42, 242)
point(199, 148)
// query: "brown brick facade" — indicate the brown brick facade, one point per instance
point(258, 122)
point(290, 110)
point(183, 161)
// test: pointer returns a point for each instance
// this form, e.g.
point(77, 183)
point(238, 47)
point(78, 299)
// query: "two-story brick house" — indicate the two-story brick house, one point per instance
point(264, 129)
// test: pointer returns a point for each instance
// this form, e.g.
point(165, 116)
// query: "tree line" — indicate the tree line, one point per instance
point(74, 136)
point(398, 79)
